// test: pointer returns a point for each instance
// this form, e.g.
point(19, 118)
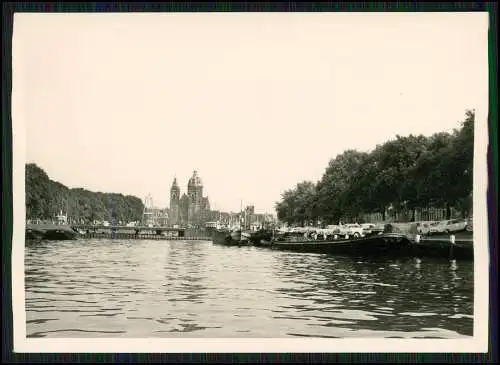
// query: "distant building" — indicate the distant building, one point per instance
point(153, 216)
point(175, 192)
point(195, 199)
point(250, 209)
point(183, 209)
point(61, 218)
point(191, 209)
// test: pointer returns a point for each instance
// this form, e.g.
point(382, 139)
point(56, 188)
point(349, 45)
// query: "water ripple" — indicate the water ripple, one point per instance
point(92, 288)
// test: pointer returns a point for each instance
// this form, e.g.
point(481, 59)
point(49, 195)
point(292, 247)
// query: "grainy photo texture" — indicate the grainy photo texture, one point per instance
point(273, 180)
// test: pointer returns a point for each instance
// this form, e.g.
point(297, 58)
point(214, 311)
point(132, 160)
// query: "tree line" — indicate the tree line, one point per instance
point(46, 198)
point(402, 174)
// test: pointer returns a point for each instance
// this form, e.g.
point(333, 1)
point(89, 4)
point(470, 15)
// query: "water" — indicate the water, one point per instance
point(106, 288)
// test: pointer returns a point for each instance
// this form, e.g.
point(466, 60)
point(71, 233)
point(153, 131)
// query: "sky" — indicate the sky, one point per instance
point(255, 102)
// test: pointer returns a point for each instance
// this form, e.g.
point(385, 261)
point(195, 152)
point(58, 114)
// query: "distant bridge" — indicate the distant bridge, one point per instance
point(136, 229)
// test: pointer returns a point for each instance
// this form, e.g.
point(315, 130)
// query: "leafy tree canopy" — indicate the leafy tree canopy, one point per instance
point(405, 173)
point(46, 198)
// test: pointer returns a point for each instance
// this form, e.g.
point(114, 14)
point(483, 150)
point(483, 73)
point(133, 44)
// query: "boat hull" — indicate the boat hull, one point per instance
point(384, 245)
point(227, 238)
point(50, 232)
point(34, 234)
point(380, 245)
point(59, 235)
point(444, 248)
point(260, 236)
point(236, 235)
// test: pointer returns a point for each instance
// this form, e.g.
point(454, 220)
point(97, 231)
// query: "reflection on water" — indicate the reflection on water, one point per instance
point(91, 288)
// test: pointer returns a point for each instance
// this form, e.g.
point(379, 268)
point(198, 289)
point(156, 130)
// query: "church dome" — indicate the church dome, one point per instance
point(195, 180)
point(175, 186)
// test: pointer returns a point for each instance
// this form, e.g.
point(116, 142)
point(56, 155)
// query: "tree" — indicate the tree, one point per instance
point(333, 198)
point(46, 198)
point(403, 173)
point(297, 204)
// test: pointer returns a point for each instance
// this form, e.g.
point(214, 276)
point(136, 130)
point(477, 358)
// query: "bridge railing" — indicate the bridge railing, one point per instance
point(134, 228)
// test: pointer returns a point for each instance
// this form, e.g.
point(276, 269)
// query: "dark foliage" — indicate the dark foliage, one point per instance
point(404, 173)
point(45, 199)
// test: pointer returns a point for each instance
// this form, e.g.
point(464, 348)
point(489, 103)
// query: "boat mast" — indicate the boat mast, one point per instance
point(241, 214)
point(67, 205)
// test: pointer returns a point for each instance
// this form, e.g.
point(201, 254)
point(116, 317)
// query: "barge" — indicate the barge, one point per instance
point(52, 232)
point(389, 244)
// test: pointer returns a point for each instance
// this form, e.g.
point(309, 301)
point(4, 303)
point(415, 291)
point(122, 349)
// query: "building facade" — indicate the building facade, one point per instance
point(175, 192)
point(191, 209)
point(153, 216)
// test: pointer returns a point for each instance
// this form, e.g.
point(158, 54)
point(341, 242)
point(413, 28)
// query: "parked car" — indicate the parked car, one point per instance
point(334, 228)
point(368, 228)
point(468, 228)
point(456, 225)
point(435, 227)
point(424, 228)
point(449, 226)
point(352, 230)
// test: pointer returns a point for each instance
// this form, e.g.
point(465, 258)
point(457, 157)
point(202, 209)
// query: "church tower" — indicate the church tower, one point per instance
point(175, 193)
point(195, 195)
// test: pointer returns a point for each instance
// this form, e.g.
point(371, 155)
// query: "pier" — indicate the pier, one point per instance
point(141, 232)
point(137, 229)
point(143, 236)
point(74, 231)
point(458, 246)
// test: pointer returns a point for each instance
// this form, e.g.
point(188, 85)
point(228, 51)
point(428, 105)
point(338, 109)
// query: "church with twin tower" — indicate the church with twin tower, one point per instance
point(191, 209)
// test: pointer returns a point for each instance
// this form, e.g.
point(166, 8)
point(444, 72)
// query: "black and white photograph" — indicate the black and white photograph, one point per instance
point(250, 182)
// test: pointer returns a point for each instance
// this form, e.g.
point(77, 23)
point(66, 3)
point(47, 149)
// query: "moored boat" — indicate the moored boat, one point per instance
point(60, 234)
point(228, 238)
point(52, 232)
point(261, 237)
point(460, 249)
point(34, 234)
point(386, 245)
point(236, 235)
point(265, 243)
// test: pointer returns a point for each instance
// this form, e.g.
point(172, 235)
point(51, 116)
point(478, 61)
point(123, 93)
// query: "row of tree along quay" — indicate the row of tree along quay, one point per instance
point(45, 199)
point(405, 179)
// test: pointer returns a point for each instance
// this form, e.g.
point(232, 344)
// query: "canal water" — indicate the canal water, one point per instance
point(106, 288)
